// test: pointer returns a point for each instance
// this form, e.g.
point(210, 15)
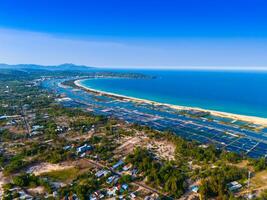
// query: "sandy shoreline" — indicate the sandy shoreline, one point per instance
point(250, 119)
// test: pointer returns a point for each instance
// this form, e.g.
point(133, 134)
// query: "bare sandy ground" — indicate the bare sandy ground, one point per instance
point(37, 190)
point(250, 119)
point(47, 167)
point(128, 145)
point(163, 149)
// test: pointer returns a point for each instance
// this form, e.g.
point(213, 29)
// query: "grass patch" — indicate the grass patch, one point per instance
point(65, 175)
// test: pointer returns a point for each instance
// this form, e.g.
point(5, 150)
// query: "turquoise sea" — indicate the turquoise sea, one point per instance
point(239, 92)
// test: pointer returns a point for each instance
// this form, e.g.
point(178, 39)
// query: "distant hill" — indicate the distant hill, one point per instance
point(62, 67)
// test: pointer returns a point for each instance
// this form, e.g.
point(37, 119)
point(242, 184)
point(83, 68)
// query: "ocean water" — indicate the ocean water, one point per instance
point(239, 92)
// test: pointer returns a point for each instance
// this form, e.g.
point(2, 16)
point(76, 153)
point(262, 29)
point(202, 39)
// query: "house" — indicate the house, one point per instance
point(116, 180)
point(75, 197)
point(132, 195)
point(26, 106)
point(33, 133)
point(83, 148)
point(118, 164)
point(3, 117)
point(112, 191)
point(234, 186)
point(61, 129)
point(125, 186)
point(37, 127)
point(12, 123)
point(46, 116)
point(97, 195)
point(55, 194)
point(92, 197)
point(82, 155)
point(102, 173)
point(134, 172)
point(110, 179)
point(23, 195)
point(152, 197)
point(194, 188)
point(127, 167)
point(66, 148)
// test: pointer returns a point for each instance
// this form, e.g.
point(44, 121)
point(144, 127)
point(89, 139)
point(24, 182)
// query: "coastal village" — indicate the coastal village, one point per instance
point(133, 100)
point(53, 147)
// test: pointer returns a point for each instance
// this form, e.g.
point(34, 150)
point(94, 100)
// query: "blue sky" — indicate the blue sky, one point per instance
point(147, 33)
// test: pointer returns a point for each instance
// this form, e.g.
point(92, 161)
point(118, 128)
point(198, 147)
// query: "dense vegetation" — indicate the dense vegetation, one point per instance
point(161, 175)
point(215, 181)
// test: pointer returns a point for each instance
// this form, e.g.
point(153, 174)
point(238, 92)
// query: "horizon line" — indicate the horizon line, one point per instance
point(184, 67)
point(242, 68)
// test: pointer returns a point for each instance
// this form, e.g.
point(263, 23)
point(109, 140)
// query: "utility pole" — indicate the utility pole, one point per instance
point(249, 176)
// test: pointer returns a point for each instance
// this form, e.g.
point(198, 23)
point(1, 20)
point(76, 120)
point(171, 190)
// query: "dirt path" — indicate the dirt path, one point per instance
point(3, 181)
